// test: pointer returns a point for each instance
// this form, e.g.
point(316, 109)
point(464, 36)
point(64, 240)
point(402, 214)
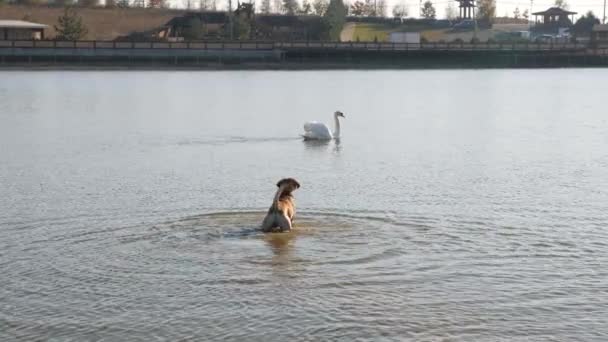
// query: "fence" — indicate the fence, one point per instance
point(327, 46)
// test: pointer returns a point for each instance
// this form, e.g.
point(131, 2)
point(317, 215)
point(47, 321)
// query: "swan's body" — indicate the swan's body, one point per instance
point(315, 130)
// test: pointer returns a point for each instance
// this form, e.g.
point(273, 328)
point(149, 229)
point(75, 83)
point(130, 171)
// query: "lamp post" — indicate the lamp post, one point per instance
point(475, 20)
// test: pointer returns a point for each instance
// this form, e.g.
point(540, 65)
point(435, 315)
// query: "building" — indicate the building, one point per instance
point(466, 9)
point(207, 24)
point(216, 25)
point(599, 34)
point(21, 30)
point(553, 19)
point(404, 37)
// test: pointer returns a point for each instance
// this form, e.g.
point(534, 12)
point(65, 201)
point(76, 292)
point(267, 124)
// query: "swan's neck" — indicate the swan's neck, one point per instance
point(337, 127)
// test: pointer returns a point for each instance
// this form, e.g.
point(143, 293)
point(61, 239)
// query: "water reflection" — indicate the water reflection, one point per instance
point(316, 145)
point(281, 244)
point(322, 145)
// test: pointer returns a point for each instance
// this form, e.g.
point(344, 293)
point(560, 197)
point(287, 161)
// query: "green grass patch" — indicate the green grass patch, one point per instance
point(370, 32)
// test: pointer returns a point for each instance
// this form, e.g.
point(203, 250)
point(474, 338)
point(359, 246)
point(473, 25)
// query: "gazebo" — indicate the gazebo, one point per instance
point(555, 16)
point(466, 8)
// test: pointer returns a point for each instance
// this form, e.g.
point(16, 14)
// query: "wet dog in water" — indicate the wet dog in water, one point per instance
point(283, 209)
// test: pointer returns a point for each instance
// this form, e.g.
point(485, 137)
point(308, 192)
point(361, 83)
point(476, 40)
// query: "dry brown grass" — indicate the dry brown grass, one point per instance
point(102, 23)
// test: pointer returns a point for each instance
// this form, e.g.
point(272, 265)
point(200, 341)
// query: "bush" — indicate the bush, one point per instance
point(69, 26)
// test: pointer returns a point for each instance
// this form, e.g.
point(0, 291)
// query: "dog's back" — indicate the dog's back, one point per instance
point(281, 212)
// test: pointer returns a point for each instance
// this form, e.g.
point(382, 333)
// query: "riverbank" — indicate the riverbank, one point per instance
point(295, 55)
point(299, 60)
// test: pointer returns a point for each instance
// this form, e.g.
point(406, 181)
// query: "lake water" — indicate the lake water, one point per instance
point(458, 206)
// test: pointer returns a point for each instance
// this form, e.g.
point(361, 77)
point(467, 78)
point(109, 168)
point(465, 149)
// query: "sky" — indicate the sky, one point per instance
point(503, 7)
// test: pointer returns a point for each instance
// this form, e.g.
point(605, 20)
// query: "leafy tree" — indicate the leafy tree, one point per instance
point(163, 3)
point(265, 8)
point(561, 4)
point(290, 6)
point(277, 6)
point(358, 9)
point(242, 27)
point(400, 10)
point(370, 8)
point(584, 24)
point(428, 10)
point(87, 3)
point(516, 13)
point(334, 19)
point(380, 8)
point(123, 3)
point(526, 14)
point(70, 26)
point(306, 7)
point(450, 11)
point(487, 10)
point(320, 7)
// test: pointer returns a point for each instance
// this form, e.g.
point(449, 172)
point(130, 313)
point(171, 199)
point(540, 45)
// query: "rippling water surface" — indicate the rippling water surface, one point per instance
point(458, 206)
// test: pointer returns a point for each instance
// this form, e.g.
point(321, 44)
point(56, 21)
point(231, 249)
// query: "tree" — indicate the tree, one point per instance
point(158, 3)
point(277, 6)
point(320, 7)
point(526, 14)
point(400, 10)
point(450, 11)
point(561, 4)
point(516, 13)
point(122, 3)
point(265, 8)
point(428, 10)
point(203, 5)
point(487, 10)
point(584, 24)
point(110, 3)
point(69, 26)
point(334, 19)
point(370, 8)
point(380, 8)
point(306, 8)
point(357, 8)
point(87, 3)
point(242, 27)
point(290, 6)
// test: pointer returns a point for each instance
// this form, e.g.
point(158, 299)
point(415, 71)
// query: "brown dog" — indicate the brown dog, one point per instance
point(282, 211)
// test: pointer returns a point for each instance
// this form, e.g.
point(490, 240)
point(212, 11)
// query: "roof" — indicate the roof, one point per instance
point(278, 20)
point(207, 17)
point(600, 28)
point(21, 24)
point(554, 11)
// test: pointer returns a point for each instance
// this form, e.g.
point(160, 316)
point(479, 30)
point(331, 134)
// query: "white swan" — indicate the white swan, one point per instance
point(315, 130)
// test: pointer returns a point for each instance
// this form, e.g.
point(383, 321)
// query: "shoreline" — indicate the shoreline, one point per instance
point(267, 67)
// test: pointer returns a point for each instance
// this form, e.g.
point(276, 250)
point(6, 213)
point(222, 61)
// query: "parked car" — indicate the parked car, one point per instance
point(467, 24)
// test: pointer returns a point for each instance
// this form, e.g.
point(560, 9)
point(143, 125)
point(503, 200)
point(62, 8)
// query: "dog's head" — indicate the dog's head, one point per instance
point(289, 184)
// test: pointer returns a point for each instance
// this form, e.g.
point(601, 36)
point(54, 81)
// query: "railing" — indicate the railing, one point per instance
point(307, 45)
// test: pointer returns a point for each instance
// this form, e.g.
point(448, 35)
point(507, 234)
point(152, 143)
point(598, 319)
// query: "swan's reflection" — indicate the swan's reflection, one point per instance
point(322, 145)
point(316, 145)
point(337, 147)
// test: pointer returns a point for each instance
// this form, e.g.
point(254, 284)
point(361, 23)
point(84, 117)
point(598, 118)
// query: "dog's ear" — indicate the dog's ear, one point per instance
point(291, 181)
